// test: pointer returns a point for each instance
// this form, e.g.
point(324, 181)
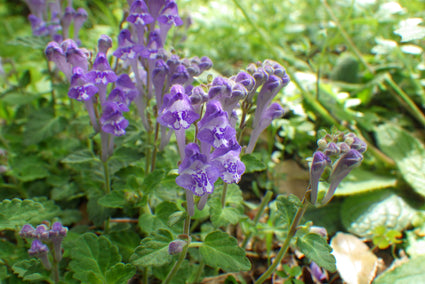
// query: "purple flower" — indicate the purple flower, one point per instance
point(318, 273)
point(37, 7)
point(41, 232)
point(205, 63)
point(228, 163)
point(177, 112)
point(176, 247)
point(74, 55)
point(55, 53)
point(154, 44)
point(102, 72)
point(195, 173)
point(79, 18)
point(318, 166)
point(180, 75)
point(155, 7)
point(139, 14)
point(27, 231)
point(112, 120)
point(56, 235)
point(332, 149)
point(121, 100)
point(221, 87)
point(168, 17)
point(246, 80)
point(215, 128)
point(104, 44)
point(67, 18)
point(38, 26)
point(82, 85)
point(341, 169)
point(40, 250)
point(127, 49)
point(359, 145)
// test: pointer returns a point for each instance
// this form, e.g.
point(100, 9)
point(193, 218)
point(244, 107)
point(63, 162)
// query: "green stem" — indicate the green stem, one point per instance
point(284, 248)
point(199, 271)
point(155, 147)
point(263, 204)
point(183, 254)
point(223, 196)
point(106, 175)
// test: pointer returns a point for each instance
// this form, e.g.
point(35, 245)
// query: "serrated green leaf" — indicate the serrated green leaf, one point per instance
point(149, 223)
point(232, 213)
point(80, 156)
point(252, 163)
point(152, 180)
point(31, 270)
point(317, 249)
point(219, 250)
point(153, 250)
point(127, 241)
point(362, 214)
point(287, 207)
point(406, 273)
point(408, 153)
point(92, 257)
point(120, 273)
point(114, 199)
point(30, 168)
point(42, 125)
point(16, 212)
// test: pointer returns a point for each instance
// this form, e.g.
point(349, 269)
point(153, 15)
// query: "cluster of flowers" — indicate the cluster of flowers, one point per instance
point(218, 152)
point(47, 18)
point(41, 234)
point(342, 152)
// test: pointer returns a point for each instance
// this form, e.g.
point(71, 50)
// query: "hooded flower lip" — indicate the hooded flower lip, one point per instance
point(318, 166)
point(195, 173)
point(177, 112)
point(104, 44)
point(127, 49)
point(112, 120)
point(228, 163)
point(82, 85)
point(220, 87)
point(139, 14)
point(169, 15)
point(102, 72)
point(215, 128)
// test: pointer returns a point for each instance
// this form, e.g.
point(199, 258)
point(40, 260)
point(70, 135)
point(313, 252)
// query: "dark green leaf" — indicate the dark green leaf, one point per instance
point(317, 249)
point(25, 79)
point(31, 270)
point(42, 125)
point(120, 273)
point(287, 207)
point(152, 180)
point(114, 199)
point(80, 156)
point(30, 168)
point(252, 163)
point(220, 250)
point(149, 223)
point(232, 213)
point(153, 250)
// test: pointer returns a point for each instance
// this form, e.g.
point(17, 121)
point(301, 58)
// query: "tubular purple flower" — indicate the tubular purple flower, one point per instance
point(37, 7)
point(237, 94)
point(205, 63)
point(195, 173)
point(359, 145)
point(74, 55)
point(104, 44)
point(126, 46)
point(66, 20)
point(220, 87)
point(56, 235)
point(82, 85)
point(168, 17)
point(155, 6)
point(343, 147)
point(317, 167)
point(40, 250)
point(342, 168)
point(102, 70)
point(246, 80)
point(38, 26)
point(79, 18)
point(41, 232)
point(180, 75)
point(120, 99)
point(27, 231)
point(332, 149)
point(112, 120)
point(139, 16)
point(154, 44)
point(159, 74)
point(228, 163)
point(215, 128)
point(198, 96)
point(274, 111)
point(55, 53)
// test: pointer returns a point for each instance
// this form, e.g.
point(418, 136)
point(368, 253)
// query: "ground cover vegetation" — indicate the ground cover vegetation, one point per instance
point(165, 141)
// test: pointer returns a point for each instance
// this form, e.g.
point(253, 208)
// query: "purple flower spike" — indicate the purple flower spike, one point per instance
point(332, 150)
point(74, 55)
point(82, 86)
point(318, 166)
point(215, 128)
point(67, 19)
point(180, 76)
point(27, 231)
point(55, 53)
point(56, 235)
point(139, 14)
point(104, 44)
point(342, 168)
point(40, 250)
point(112, 120)
point(221, 87)
point(195, 173)
point(228, 163)
point(246, 80)
point(102, 70)
point(359, 145)
point(177, 112)
point(79, 19)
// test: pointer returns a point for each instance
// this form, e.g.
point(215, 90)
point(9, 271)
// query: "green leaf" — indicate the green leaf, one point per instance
point(406, 273)
point(219, 250)
point(317, 249)
point(31, 270)
point(287, 207)
point(233, 211)
point(41, 125)
point(92, 257)
point(252, 163)
point(149, 223)
point(120, 273)
point(16, 212)
point(410, 30)
point(153, 250)
point(359, 181)
point(114, 199)
point(25, 79)
point(80, 156)
point(362, 214)
point(408, 153)
point(30, 168)
point(152, 180)
point(127, 241)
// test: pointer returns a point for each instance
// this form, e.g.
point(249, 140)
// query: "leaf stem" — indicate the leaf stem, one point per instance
point(284, 248)
point(261, 207)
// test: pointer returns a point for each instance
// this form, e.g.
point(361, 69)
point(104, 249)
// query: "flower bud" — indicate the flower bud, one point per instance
point(176, 247)
point(318, 165)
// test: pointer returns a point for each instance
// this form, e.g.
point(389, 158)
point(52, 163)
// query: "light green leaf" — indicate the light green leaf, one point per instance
point(31, 270)
point(317, 249)
point(408, 153)
point(219, 250)
point(287, 207)
point(92, 257)
point(114, 199)
point(16, 212)
point(120, 273)
point(252, 163)
point(410, 30)
point(406, 273)
point(359, 181)
point(153, 250)
point(362, 214)
point(81, 156)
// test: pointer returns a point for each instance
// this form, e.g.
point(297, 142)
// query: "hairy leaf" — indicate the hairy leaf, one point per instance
point(317, 249)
